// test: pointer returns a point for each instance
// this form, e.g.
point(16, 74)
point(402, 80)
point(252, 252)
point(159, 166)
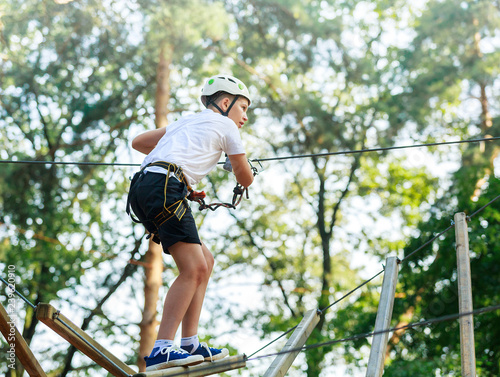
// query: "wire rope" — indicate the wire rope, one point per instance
point(379, 149)
point(427, 243)
point(13, 288)
point(412, 325)
point(483, 207)
point(274, 340)
point(352, 291)
point(277, 158)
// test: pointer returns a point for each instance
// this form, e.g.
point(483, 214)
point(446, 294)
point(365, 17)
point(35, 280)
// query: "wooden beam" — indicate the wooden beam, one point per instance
point(203, 369)
point(465, 296)
point(383, 321)
point(282, 363)
point(82, 341)
point(21, 348)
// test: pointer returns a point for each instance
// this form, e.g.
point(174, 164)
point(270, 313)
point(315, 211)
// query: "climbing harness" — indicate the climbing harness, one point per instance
point(179, 208)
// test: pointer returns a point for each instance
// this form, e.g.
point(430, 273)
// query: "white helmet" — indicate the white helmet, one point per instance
point(224, 83)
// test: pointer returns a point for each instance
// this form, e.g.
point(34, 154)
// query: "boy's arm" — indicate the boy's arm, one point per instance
point(241, 169)
point(146, 141)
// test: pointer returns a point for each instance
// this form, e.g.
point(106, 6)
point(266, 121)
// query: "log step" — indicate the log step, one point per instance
point(203, 369)
point(47, 314)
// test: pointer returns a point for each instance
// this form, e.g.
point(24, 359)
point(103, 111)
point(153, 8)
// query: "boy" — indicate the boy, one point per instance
point(178, 155)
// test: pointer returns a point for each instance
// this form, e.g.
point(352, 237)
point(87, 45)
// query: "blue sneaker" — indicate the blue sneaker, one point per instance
point(208, 353)
point(170, 357)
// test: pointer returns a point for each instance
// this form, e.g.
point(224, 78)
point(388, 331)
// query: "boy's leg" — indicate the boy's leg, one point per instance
point(190, 341)
point(194, 272)
point(192, 316)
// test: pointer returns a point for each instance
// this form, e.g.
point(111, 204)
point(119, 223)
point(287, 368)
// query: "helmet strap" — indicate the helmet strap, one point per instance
point(224, 113)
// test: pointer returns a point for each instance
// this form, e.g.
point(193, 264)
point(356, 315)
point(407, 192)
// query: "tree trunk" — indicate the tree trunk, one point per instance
point(486, 118)
point(154, 255)
point(163, 85)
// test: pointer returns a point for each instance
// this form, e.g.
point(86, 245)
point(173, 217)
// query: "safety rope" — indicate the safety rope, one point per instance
point(238, 192)
point(277, 158)
point(412, 325)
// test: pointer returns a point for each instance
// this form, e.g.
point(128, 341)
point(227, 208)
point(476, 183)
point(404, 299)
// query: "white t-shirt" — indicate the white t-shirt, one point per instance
point(195, 143)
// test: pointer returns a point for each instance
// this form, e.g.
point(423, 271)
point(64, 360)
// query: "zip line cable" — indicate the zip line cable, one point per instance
point(445, 318)
point(483, 207)
point(274, 340)
point(451, 226)
point(380, 149)
point(321, 311)
point(14, 290)
point(278, 158)
point(428, 242)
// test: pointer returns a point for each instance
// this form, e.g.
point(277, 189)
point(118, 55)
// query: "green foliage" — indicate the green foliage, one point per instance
point(67, 95)
point(328, 94)
point(439, 64)
point(326, 77)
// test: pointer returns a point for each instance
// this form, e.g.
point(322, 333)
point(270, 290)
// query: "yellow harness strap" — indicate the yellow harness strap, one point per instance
point(179, 208)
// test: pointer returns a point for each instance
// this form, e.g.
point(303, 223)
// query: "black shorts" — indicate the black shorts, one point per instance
point(147, 198)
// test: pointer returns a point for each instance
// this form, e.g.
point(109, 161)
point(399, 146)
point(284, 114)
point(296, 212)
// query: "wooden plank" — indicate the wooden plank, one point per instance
point(82, 341)
point(383, 321)
point(282, 362)
point(21, 348)
point(203, 369)
point(465, 296)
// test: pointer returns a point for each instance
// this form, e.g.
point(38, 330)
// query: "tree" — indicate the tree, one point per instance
point(327, 94)
point(449, 82)
point(68, 93)
point(458, 45)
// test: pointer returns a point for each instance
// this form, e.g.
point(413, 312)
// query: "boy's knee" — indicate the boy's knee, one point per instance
point(201, 273)
point(210, 263)
point(209, 258)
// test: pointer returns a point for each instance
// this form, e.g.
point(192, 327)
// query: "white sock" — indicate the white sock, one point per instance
point(191, 341)
point(160, 344)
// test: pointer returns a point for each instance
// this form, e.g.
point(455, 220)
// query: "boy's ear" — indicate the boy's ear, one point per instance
point(224, 103)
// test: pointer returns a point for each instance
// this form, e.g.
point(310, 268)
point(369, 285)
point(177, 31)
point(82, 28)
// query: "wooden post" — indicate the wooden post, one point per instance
point(82, 341)
point(465, 297)
point(21, 348)
point(203, 369)
point(282, 363)
point(383, 321)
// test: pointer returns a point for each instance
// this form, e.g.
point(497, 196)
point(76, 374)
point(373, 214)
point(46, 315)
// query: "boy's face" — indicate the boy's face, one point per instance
point(238, 113)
